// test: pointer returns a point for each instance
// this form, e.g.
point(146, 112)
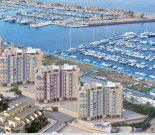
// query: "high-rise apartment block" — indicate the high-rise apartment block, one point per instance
point(17, 65)
point(57, 82)
point(97, 100)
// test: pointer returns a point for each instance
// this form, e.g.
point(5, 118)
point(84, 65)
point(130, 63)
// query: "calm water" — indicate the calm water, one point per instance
point(135, 5)
point(54, 37)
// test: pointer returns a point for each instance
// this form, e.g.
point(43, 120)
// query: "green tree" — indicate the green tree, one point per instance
point(81, 83)
point(132, 100)
point(16, 90)
point(37, 124)
point(3, 104)
point(139, 108)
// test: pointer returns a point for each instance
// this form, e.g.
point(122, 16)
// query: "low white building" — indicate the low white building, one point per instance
point(139, 97)
point(148, 99)
point(133, 95)
point(152, 92)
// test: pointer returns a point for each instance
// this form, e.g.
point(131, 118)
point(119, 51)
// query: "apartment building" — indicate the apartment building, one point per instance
point(17, 65)
point(57, 82)
point(14, 119)
point(97, 100)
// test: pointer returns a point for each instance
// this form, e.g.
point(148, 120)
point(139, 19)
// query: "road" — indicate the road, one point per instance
point(59, 117)
point(21, 99)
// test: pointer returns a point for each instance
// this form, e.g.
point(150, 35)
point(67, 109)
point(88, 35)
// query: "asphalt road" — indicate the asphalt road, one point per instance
point(59, 117)
point(21, 99)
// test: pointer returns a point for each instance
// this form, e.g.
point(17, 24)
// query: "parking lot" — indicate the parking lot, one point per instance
point(60, 118)
point(127, 117)
point(21, 99)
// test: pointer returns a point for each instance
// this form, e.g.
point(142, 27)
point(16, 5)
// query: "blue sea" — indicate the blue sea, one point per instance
point(134, 5)
point(55, 37)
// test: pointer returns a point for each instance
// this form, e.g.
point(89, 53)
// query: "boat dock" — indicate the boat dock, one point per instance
point(91, 24)
point(102, 66)
point(41, 24)
point(131, 54)
point(40, 15)
point(122, 21)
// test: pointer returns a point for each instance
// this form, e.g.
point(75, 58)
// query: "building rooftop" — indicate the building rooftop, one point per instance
point(19, 51)
point(14, 109)
point(99, 84)
point(67, 67)
point(56, 67)
point(30, 50)
point(2, 115)
point(139, 94)
point(148, 96)
point(27, 112)
point(133, 92)
point(14, 120)
point(111, 84)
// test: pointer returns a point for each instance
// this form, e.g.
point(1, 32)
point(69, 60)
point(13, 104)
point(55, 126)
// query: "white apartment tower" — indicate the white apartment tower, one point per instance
point(98, 100)
point(57, 82)
point(17, 65)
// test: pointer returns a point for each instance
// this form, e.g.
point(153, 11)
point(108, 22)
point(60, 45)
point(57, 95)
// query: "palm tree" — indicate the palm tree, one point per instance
point(132, 100)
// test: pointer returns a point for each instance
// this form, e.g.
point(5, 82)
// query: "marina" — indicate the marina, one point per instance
point(38, 14)
point(22, 26)
point(80, 63)
point(130, 54)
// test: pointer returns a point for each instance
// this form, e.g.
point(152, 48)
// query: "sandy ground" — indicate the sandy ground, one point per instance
point(70, 129)
point(59, 61)
point(110, 75)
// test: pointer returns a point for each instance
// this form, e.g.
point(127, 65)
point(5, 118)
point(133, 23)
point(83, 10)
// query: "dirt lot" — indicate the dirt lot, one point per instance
point(124, 79)
point(49, 59)
point(110, 75)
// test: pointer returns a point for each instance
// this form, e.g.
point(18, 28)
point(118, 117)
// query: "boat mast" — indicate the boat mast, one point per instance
point(56, 45)
point(70, 38)
point(93, 35)
point(106, 32)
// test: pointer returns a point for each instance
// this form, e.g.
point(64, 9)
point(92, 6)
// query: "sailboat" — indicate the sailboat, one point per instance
point(70, 42)
point(57, 50)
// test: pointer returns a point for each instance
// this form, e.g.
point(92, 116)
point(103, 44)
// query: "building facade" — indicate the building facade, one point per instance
point(98, 100)
point(17, 65)
point(14, 119)
point(56, 82)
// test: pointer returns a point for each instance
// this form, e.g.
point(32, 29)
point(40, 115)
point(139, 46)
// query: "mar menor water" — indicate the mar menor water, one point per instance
point(55, 37)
